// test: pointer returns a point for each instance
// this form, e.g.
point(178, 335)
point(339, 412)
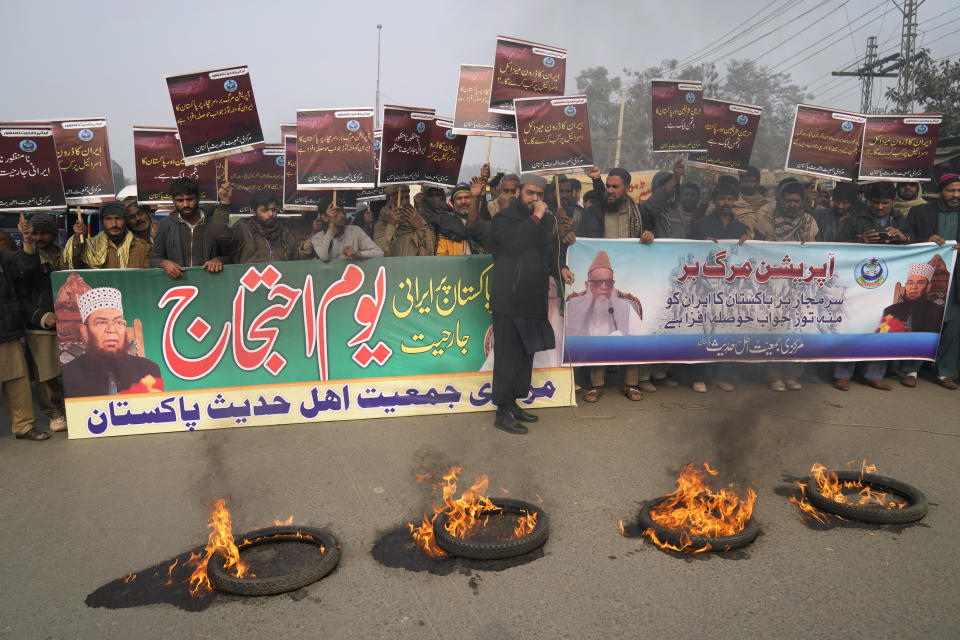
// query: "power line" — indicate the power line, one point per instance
point(820, 19)
point(772, 31)
point(742, 24)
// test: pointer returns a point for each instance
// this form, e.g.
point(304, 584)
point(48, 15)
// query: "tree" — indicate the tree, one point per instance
point(936, 90)
point(744, 82)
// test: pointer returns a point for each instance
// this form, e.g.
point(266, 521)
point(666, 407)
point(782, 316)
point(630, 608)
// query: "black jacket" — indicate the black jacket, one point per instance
point(89, 376)
point(15, 268)
point(922, 315)
point(863, 222)
point(36, 291)
point(169, 243)
point(524, 257)
point(925, 222)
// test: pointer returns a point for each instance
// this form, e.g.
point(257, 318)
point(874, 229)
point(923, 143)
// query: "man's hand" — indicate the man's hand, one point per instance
point(172, 269)
point(743, 239)
point(78, 227)
point(678, 169)
point(49, 320)
point(349, 252)
point(412, 217)
point(713, 240)
point(225, 193)
point(570, 238)
point(213, 265)
point(896, 235)
point(539, 208)
point(485, 172)
point(26, 230)
point(392, 215)
point(567, 275)
point(594, 173)
point(646, 237)
point(478, 184)
point(871, 236)
point(940, 241)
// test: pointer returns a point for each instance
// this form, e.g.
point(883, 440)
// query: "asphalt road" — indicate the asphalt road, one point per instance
point(78, 515)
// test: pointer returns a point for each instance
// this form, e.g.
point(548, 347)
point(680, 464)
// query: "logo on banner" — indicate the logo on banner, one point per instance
point(28, 145)
point(921, 129)
point(847, 126)
point(871, 273)
point(450, 134)
point(352, 125)
point(85, 134)
point(742, 119)
point(549, 62)
point(570, 110)
point(376, 145)
point(230, 85)
point(691, 97)
point(421, 127)
point(280, 161)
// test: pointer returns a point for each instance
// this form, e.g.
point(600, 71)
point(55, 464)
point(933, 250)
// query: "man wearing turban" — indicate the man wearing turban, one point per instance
point(106, 368)
point(917, 312)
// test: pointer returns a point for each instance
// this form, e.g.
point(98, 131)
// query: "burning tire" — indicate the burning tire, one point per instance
point(478, 550)
point(696, 543)
point(914, 510)
point(323, 564)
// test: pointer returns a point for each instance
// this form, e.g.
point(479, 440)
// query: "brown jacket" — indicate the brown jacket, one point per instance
point(139, 256)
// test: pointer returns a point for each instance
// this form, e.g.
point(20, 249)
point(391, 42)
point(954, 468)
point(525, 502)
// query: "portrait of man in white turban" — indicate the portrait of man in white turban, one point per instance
point(601, 309)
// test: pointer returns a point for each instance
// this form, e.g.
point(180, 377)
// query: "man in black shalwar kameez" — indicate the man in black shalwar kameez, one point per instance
point(525, 255)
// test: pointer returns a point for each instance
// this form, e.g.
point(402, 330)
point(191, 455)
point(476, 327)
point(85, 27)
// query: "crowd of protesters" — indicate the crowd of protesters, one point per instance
point(460, 222)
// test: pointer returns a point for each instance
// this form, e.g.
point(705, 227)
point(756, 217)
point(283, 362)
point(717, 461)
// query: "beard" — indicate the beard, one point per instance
point(107, 355)
point(600, 314)
point(748, 191)
point(615, 205)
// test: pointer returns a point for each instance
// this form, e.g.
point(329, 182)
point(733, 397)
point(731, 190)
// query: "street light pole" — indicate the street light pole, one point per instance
point(376, 115)
point(623, 102)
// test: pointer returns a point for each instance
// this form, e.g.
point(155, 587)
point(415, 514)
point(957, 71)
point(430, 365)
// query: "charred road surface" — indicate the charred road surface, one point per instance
point(79, 517)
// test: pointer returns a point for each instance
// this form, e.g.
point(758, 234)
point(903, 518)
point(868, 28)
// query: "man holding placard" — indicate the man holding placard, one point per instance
point(184, 238)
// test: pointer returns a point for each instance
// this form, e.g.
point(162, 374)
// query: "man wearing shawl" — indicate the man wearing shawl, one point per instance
point(261, 237)
point(618, 216)
point(458, 228)
point(401, 230)
point(909, 196)
point(116, 247)
point(937, 222)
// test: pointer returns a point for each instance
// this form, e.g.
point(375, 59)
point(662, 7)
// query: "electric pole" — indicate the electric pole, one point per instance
point(870, 69)
point(908, 51)
point(623, 102)
point(376, 113)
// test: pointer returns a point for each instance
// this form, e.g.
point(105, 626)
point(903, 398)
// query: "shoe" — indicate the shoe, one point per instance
point(632, 393)
point(792, 384)
point(646, 386)
point(948, 383)
point(33, 434)
point(777, 385)
point(664, 381)
point(842, 384)
point(909, 380)
point(506, 422)
point(700, 387)
point(723, 385)
point(520, 414)
point(877, 384)
point(593, 394)
point(58, 424)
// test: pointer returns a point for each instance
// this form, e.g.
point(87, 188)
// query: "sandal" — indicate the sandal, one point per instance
point(633, 393)
point(33, 434)
point(592, 394)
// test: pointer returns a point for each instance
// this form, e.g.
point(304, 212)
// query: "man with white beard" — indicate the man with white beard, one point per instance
point(601, 310)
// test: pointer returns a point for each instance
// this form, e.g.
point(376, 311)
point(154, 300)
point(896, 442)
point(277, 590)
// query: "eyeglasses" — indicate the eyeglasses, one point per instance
point(102, 324)
point(602, 283)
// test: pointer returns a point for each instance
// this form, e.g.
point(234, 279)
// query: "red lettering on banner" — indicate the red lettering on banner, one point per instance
point(249, 359)
point(367, 313)
point(181, 366)
point(349, 282)
point(309, 317)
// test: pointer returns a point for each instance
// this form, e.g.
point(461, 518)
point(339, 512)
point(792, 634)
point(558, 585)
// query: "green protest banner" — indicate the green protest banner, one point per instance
point(276, 343)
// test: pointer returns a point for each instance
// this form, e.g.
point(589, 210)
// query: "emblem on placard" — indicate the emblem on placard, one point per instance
point(742, 119)
point(549, 62)
point(85, 134)
point(376, 145)
point(569, 110)
point(280, 161)
point(28, 145)
point(421, 127)
point(230, 85)
point(847, 126)
point(352, 125)
point(691, 97)
point(921, 129)
point(450, 135)
point(870, 273)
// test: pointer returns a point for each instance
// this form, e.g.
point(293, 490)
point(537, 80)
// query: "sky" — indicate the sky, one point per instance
point(71, 59)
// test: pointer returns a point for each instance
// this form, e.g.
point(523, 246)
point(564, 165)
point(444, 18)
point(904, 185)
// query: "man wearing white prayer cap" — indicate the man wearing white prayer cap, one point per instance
point(107, 368)
point(917, 311)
